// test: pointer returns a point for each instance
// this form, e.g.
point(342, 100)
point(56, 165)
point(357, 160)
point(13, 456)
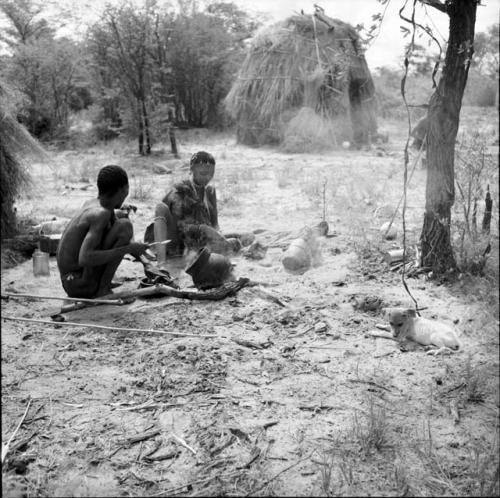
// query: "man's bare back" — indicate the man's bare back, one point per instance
point(72, 239)
point(95, 241)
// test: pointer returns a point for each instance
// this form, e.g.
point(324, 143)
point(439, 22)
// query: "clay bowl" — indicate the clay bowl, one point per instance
point(209, 270)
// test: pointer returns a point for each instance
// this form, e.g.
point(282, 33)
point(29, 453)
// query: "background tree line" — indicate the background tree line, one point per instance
point(139, 69)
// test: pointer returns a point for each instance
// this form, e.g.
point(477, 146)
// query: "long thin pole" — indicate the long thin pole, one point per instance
point(104, 327)
point(76, 299)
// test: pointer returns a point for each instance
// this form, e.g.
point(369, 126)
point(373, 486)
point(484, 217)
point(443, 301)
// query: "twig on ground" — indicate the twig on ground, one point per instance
point(454, 411)
point(370, 382)
point(6, 446)
point(23, 442)
point(163, 456)
point(171, 491)
point(247, 381)
point(389, 353)
point(140, 437)
point(305, 331)
point(255, 490)
point(251, 344)
point(270, 424)
point(264, 294)
point(374, 333)
point(182, 443)
point(149, 405)
point(103, 327)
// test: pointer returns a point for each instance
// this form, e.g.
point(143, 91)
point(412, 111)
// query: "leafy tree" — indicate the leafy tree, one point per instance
point(421, 60)
point(485, 57)
point(122, 42)
point(41, 68)
point(25, 22)
point(205, 50)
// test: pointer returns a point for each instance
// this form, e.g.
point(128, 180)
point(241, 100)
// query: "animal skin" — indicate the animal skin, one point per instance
point(406, 325)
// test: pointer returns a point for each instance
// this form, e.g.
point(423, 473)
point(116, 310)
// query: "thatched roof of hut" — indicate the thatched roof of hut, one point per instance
point(16, 146)
point(304, 78)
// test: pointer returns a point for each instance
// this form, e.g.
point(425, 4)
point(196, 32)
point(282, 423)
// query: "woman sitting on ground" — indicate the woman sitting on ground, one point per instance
point(187, 215)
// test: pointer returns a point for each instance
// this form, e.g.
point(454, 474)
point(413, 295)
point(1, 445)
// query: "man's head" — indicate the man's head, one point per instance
point(203, 168)
point(112, 185)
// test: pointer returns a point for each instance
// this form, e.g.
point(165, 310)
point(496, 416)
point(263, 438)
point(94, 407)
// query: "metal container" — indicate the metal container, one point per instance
point(209, 269)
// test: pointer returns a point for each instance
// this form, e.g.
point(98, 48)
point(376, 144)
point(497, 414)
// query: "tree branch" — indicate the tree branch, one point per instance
point(436, 4)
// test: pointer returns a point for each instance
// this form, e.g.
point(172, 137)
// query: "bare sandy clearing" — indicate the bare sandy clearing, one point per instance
point(312, 399)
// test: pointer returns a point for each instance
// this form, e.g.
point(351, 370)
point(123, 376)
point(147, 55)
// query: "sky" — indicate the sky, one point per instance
point(386, 49)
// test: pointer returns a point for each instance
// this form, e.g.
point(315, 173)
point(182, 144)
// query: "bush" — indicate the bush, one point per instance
point(480, 91)
point(475, 172)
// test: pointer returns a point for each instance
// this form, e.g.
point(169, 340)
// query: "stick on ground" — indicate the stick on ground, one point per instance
point(65, 298)
point(103, 327)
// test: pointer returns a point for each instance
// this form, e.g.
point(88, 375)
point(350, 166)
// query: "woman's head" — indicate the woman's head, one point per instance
point(202, 167)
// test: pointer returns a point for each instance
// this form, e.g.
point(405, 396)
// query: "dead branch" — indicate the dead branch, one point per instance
point(228, 289)
point(103, 327)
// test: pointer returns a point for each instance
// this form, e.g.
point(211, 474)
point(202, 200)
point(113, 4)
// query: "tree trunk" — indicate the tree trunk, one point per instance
point(173, 142)
point(146, 128)
point(488, 202)
point(444, 115)
point(141, 132)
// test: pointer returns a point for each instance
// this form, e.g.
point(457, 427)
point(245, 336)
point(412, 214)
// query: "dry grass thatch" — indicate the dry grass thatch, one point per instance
point(16, 146)
point(306, 61)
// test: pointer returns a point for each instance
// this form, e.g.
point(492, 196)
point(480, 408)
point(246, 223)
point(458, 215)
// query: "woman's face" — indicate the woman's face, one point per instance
point(202, 173)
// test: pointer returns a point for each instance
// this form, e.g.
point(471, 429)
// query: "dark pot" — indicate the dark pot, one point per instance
point(209, 269)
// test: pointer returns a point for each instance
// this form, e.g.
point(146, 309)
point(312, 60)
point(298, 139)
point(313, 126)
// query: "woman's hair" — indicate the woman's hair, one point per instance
point(110, 179)
point(202, 157)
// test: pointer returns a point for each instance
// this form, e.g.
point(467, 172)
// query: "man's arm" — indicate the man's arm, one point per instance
point(89, 255)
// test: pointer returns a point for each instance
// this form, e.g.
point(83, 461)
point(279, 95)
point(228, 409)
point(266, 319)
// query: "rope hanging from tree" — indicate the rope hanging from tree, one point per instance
point(406, 154)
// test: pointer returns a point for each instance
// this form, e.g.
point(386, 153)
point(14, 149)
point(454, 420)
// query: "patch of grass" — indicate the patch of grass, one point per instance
point(286, 176)
point(371, 430)
point(476, 381)
point(141, 189)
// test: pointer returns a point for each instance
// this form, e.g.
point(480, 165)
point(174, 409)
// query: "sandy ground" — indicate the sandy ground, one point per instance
point(316, 407)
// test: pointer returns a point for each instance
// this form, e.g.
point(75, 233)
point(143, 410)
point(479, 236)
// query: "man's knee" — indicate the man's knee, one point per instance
point(124, 230)
point(162, 211)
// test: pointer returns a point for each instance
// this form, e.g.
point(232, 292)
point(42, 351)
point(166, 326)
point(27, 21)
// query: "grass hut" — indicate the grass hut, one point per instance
point(16, 145)
point(304, 84)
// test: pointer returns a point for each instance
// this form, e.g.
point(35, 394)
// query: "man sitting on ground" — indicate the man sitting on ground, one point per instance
point(95, 240)
point(187, 215)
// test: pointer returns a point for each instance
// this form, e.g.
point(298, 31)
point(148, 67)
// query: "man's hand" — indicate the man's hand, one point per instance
point(137, 249)
point(125, 209)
